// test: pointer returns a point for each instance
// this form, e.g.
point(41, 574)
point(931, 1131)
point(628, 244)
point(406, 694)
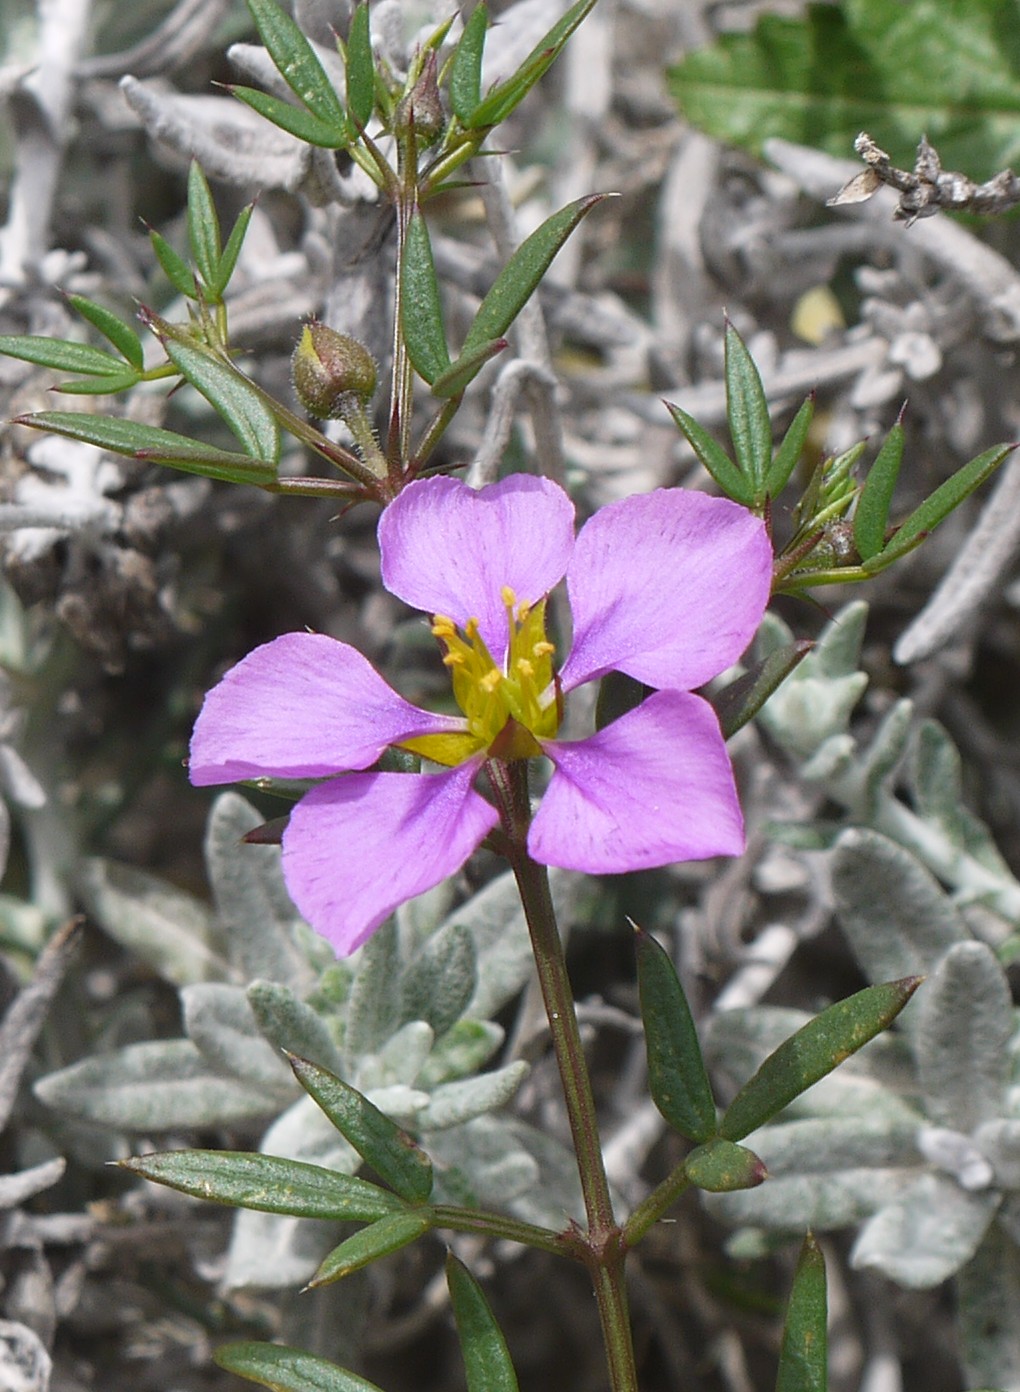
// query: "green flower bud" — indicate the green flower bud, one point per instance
point(330, 368)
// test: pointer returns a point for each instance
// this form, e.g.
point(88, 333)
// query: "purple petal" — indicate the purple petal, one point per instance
point(667, 586)
point(358, 846)
point(654, 787)
point(449, 549)
point(302, 706)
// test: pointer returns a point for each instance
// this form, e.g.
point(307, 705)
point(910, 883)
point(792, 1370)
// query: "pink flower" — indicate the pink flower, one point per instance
point(668, 587)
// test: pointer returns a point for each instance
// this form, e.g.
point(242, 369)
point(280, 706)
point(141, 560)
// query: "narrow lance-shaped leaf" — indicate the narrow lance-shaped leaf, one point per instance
point(203, 224)
point(121, 335)
point(61, 353)
point(360, 68)
point(286, 1369)
point(747, 410)
point(175, 268)
point(467, 367)
point(872, 512)
point(520, 277)
point(712, 457)
point(791, 449)
point(937, 507)
point(677, 1078)
point(228, 261)
point(466, 69)
point(741, 701)
point(498, 105)
point(487, 1364)
point(295, 120)
point(268, 1183)
point(99, 386)
point(148, 442)
point(379, 1239)
point(803, 1361)
point(421, 311)
point(814, 1051)
point(391, 1152)
point(298, 65)
point(227, 390)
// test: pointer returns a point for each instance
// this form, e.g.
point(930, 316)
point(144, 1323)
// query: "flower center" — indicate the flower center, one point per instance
point(507, 710)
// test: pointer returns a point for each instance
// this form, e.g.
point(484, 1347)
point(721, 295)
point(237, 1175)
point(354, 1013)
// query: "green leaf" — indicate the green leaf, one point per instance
point(720, 1167)
point(747, 410)
point(498, 105)
point(712, 457)
point(677, 1079)
point(790, 451)
point(519, 278)
point(98, 386)
point(938, 66)
point(203, 224)
point(360, 68)
point(267, 1183)
point(175, 268)
point(295, 120)
point(380, 1239)
point(467, 367)
point(227, 390)
point(62, 354)
point(949, 495)
point(814, 1051)
point(287, 1369)
point(803, 1360)
point(872, 513)
point(380, 1142)
point(298, 65)
point(121, 335)
point(741, 701)
point(466, 68)
point(147, 442)
point(421, 311)
point(228, 261)
point(487, 1364)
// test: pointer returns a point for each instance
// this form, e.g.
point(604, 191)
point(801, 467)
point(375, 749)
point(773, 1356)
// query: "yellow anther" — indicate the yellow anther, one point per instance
point(525, 668)
point(508, 597)
point(543, 648)
point(442, 627)
point(490, 681)
point(454, 659)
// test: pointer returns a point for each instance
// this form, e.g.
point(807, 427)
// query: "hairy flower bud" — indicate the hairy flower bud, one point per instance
point(328, 369)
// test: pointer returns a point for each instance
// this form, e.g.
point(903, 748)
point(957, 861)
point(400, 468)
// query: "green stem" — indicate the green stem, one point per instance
point(602, 1248)
point(651, 1209)
point(499, 1225)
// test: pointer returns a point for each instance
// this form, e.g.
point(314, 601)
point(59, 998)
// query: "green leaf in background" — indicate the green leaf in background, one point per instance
point(720, 1167)
point(803, 1360)
point(63, 354)
point(741, 701)
point(421, 311)
point(747, 412)
point(712, 457)
point(937, 507)
point(227, 391)
point(379, 1239)
point(391, 1152)
point(813, 1051)
point(520, 277)
point(871, 515)
point(298, 65)
point(791, 449)
point(287, 1369)
point(228, 261)
point(148, 442)
point(677, 1079)
point(360, 68)
point(498, 105)
point(175, 268)
point(466, 68)
point(268, 1183)
point(203, 224)
point(944, 67)
point(295, 120)
point(121, 335)
point(487, 1364)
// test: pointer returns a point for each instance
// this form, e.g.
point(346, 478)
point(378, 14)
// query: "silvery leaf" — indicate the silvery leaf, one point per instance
point(999, 1140)
point(988, 1313)
point(464, 1049)
point(274, 1250)
point(963, 1028)
point(289, 1024)
point(373, 1007)
point(219, 1021)
point(482, 1162)
point(401, 1058)
point(927, 1234)
point(451, 1104)
point(440, 978)
point(791, 1203)
point(823, 1146)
